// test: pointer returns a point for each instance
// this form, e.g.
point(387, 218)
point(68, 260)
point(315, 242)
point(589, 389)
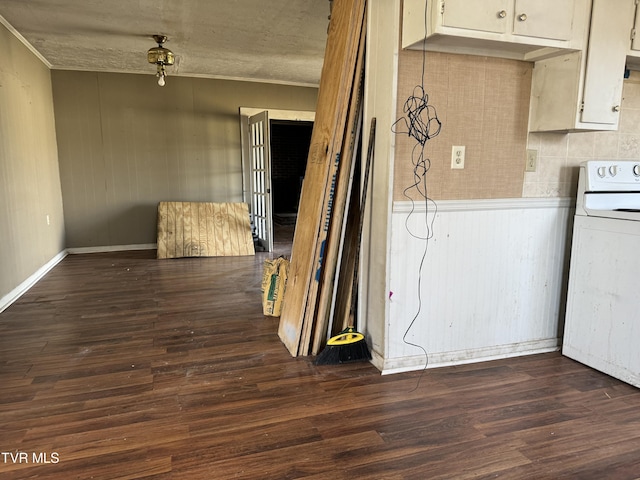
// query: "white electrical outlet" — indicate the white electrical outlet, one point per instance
point(457, 156)
point(532, 160)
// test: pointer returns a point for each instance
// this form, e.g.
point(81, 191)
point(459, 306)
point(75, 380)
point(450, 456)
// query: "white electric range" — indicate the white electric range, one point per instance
point(602, 323)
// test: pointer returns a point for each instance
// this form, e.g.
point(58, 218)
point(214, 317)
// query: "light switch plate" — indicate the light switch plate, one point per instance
point(532, 160)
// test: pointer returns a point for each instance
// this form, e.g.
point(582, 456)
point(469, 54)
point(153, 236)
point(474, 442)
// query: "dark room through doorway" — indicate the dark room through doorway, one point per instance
point(290, 141)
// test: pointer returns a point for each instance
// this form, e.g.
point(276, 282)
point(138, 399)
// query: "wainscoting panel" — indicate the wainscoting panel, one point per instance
point(492, 283)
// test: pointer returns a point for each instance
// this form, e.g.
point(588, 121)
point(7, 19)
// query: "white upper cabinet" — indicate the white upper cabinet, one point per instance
point(606, 55)
point(518, 29)
point(583, 90)
point(544, 19)
point(482, 16)
point(633, 54)
point(580, 48)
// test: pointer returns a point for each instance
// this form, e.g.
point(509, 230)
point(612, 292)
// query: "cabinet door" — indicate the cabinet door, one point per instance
point(551, 19)
point(482, 15)
point(606, 55)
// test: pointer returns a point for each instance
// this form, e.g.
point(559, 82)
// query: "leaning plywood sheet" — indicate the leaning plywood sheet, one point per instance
point(200, 229)
point(336, 83)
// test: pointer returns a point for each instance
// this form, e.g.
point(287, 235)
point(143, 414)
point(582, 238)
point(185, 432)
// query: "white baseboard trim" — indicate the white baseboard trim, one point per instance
point(16, 293)
point(377, 360)
point(112, 248)
point(447, 359)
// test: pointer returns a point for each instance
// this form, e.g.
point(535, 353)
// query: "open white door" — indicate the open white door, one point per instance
point(260, 173)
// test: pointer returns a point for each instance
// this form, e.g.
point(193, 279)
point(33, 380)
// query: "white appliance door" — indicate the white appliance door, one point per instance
point(602, 325)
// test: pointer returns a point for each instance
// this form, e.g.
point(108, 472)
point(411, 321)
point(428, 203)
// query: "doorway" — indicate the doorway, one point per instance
point(289, 151)
point(275, 146)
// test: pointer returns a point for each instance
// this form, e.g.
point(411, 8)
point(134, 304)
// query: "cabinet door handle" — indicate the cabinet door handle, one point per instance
point(502, 13)
point(616, 108)
point(522, 17)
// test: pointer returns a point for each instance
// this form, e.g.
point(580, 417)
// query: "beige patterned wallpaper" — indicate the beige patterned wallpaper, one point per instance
point(483, 104)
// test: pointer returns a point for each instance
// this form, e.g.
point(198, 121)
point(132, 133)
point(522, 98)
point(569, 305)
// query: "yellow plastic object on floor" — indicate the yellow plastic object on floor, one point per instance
point(274, 282)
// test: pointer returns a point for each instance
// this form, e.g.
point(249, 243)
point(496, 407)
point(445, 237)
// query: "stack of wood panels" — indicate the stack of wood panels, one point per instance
point(200, 229)
point(319, 237)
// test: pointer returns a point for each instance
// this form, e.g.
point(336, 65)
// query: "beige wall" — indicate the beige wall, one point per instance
point(29, 178)
point(483, 104)
point(126, 144)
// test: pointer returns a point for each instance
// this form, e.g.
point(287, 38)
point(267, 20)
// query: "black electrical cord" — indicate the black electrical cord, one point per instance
point(420, 122)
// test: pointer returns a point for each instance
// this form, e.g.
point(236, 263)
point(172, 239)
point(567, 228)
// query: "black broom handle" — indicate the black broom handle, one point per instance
point(365, 184)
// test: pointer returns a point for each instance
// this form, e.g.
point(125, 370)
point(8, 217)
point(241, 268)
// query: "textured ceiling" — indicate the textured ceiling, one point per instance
point(279, 41)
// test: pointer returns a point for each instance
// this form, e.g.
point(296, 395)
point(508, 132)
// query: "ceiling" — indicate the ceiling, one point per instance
point(277, 41)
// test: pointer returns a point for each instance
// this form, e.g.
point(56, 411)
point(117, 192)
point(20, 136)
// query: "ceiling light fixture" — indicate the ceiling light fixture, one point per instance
point(161, 57)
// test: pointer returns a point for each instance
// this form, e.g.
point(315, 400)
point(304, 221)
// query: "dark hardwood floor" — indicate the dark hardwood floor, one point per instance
point(118, 365)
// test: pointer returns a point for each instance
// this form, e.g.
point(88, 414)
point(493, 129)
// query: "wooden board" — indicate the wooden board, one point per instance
point(200, 229)
point(334, 93)
point(317, 314)
point(344, 307)
point(340, 284)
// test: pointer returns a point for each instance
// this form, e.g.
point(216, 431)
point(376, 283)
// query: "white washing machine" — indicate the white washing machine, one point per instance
point(602, 324)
